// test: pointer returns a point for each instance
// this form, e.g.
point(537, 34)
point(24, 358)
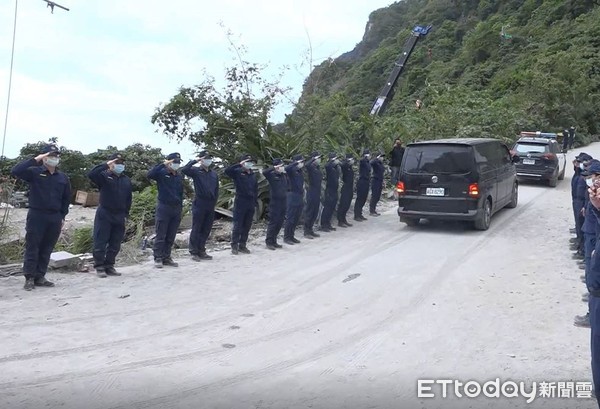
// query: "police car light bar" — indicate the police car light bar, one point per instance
point(538, 134)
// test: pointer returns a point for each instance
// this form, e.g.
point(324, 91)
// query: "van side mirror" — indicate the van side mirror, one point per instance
point(516, 159)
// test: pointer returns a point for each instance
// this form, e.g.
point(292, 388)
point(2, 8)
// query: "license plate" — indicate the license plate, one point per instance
point(528, 162)
point(434, 191)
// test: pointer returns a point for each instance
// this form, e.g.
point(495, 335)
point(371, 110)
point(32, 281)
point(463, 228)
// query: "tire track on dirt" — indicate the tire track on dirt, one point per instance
point(284, 301)
point(442, 275)
point(139, 311)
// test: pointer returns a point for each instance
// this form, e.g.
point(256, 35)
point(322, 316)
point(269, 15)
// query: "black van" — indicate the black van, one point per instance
point(456, 179)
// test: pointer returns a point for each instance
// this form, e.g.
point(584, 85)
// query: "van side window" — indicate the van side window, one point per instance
point(483, 157)
point(505, 154)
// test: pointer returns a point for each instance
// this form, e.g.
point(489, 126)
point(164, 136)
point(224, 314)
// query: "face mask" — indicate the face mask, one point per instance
point(175, 166)
point(248, 165)
point(581, 166)
point(300, 165)
point(351, 161)
point(317, 161)
point(206, 162)
point(119, 168)
point(368, 156)
point(52, 161)
point(589, 182)
point(336, 162)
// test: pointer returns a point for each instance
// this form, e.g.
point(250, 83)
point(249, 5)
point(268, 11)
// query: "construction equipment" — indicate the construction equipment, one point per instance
point(387, 92)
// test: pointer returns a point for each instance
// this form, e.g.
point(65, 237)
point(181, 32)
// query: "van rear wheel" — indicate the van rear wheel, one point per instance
point(514, 198)
point(485, 216)
point(410, 221)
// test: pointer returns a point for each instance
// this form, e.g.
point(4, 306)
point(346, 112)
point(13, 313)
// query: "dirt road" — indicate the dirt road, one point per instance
point(350, 320)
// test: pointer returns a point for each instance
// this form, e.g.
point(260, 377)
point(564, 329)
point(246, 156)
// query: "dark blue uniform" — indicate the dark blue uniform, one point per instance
point(109, 223)
point(244, 207)
point(332, 183)
point(278, 187)
point(313, 196)
point(206, 188)
point(49, 199)
point(593, 284)
point(376, 184)
point(168, 209)
point(362, 187)
point(346, 192)
point(589, 233)
point(295, 200)
point(579, 204)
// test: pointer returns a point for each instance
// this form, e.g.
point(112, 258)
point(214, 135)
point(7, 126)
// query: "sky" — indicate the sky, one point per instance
point(94, 75)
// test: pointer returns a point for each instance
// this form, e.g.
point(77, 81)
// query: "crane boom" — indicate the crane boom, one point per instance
point(387, 91)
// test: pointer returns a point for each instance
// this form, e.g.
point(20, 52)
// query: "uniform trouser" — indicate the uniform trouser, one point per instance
point(109, 230)
point(168, 218)
point(362, 191)
point(344, 204)
point(376, 188)
point(395, 174)
point(293, 212)
point(276, 218)
point(42, 233)
point(594, 304)
point(331, 198)
point(313, 202)
point(203, 216)
point(243, 215)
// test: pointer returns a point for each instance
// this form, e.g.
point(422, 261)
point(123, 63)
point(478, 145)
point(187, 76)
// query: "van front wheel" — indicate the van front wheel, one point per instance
point(485, 216)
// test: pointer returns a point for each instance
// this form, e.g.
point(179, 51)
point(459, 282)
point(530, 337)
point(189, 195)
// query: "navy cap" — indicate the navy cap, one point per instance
point(51, 149)
point(349, 156)
point(315, 154)
point(583, 157)
point(332, 155)
point(297, 158)
point(366, 152)
point(593, 168)
point(175, 157)
point(204, 155)
point(277, 162)
point(245, 157)
point(117, 156)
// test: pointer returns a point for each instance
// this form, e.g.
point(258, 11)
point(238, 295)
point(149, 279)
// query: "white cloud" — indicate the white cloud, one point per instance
point(94, 75)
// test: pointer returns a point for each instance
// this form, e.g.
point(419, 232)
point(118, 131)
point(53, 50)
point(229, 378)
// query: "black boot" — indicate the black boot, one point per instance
point(42, 282)
point(29, 284)
point(204, 256)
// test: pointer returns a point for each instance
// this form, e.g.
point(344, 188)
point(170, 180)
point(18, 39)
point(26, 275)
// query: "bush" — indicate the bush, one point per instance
point(82, 240)
point(143, 209)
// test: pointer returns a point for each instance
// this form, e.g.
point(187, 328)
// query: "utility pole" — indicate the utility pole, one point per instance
point(50, 4)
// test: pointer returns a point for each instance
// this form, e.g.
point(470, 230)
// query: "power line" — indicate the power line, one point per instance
point(12, 56)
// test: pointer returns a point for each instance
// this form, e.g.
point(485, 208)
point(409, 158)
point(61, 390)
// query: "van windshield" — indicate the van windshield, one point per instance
point(440, 159)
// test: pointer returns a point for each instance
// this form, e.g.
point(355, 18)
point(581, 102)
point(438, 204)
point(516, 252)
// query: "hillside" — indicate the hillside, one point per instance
point(473, 82)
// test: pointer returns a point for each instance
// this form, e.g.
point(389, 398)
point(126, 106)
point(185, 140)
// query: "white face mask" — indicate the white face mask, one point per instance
point(589, 182)
point(317, 161)
point(581, 166)
point(300, 165)
point(351, 161)
point(175, 166)
point(52, 161)
point(368, 156)
point(206, 162)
